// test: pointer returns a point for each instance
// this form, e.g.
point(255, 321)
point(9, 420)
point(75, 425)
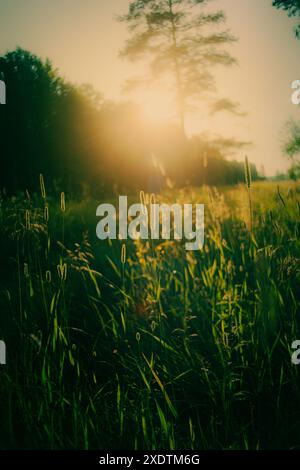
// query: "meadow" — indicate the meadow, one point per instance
point(145, 345)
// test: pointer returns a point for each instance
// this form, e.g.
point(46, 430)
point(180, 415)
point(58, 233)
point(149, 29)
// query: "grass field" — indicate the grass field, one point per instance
point(155, 348)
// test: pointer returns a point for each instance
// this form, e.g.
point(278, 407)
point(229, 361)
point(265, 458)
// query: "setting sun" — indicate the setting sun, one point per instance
point(157, 104)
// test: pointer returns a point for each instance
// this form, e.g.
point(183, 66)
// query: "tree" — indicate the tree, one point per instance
point(24, 120)
point(47, 126)
point(177, 36)
point(291, 145)
point(293, 9)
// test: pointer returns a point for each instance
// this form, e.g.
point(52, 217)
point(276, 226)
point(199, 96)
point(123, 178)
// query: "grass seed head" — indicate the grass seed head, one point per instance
point(123, 254)
point(248, 178)
point(46, 214)
point(42, 186)
point(27, 219)
point(63, 202)
point(143, 202)
point(62, 271)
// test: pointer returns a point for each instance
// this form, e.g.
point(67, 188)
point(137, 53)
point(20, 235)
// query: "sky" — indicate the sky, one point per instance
point(82, 39)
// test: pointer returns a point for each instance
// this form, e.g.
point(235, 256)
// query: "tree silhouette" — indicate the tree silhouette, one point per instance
point(291, 146)
point(81, 142)
point(47, 126)
point(293, 9)
point(176, 35)
point(24, 120)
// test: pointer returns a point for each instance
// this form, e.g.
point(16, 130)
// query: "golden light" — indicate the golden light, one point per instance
point(157, 104)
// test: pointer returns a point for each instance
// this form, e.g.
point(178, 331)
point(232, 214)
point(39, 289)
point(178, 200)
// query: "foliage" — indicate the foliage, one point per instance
point(293, 9)
point(47, 125)
point(82, 142)
point(176, 35)
point(292, 144)
point(155, 348)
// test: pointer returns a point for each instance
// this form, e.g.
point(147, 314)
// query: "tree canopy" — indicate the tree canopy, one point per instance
point(77, 139)
point(292, 7)
point(182, 41)
point(46, 125)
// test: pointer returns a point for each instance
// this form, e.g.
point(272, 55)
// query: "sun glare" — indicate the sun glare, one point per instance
point(157, 105)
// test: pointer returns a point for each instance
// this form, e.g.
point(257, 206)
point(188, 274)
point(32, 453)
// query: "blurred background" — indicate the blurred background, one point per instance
point(93, 110)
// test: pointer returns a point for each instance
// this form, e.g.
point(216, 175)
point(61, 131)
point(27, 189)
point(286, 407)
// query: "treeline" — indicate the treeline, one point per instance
point(78, 140)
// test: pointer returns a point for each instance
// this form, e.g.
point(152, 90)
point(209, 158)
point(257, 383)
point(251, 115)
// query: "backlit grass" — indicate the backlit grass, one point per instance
point(151, 346)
